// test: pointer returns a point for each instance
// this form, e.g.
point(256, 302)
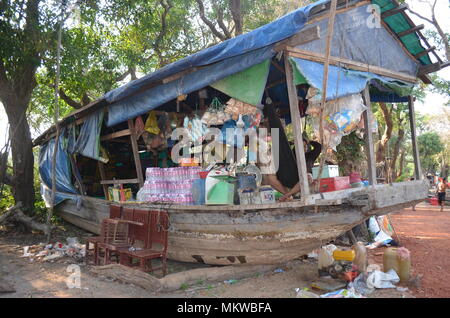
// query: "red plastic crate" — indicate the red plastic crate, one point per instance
point(335, 184)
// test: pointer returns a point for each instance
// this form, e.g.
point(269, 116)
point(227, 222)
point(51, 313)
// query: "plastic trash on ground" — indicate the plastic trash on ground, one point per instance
point(343, 293)
point(304, 293)
point(360, 285)
point(379, 279)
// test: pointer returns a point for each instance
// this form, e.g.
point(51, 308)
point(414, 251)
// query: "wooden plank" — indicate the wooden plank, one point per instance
point(302, 37)
point(371, 163)
point(419, 55)
point(125, 181)
point(389, 13)
point(350, 64)
point(431, 68)
point(412, 30)
point(412, 122)
point(118, 134)
point(137, 159)
point(298, 129)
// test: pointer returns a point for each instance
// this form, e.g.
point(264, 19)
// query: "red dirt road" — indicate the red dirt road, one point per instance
point(426, 233)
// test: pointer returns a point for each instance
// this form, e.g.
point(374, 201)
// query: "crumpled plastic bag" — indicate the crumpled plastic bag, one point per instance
point(360, 285)
point(341, 117)
point(151, 125)
point(379, 279)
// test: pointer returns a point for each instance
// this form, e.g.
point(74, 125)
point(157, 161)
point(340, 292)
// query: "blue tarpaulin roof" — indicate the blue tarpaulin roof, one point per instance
point(264, 36)
point(341, 82)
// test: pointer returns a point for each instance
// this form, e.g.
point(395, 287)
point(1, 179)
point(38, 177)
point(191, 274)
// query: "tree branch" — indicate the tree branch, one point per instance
point(236, 12)
point(211, 25)
point(69, 101)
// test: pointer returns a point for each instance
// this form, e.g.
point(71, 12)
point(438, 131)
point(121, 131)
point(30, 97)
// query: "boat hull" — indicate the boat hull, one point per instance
point(269, 234)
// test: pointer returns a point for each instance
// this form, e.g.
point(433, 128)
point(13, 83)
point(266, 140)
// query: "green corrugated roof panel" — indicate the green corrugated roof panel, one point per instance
point(398, 24)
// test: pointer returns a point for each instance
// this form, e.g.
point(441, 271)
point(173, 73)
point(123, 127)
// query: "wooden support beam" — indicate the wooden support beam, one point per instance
point(412, 122)
point(401, 8)
point(278, 67)
point(412, 30)
point(371, 163)
point(431, 68)
point(298, 129)
point(302, 37)
point(118, 134)
point(137, 159)
point(101, 169)
point(419, 55)
point(349, 64)
point(126, 181)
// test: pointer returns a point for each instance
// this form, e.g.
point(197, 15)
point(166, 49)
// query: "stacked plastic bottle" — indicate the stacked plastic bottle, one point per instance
point(170, 185)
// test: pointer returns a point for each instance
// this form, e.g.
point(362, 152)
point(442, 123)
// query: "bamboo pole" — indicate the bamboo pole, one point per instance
point(55, 120)
point(325, 84)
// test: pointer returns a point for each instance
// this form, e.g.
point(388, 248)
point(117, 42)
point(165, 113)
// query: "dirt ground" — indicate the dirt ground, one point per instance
point(424, 232)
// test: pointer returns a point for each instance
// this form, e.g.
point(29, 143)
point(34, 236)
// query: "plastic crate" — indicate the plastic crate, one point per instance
point(327, 172)
point(334, 184)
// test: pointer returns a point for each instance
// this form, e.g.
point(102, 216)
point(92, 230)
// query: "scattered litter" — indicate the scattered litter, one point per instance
point(379, 279)
point(328, 286)
point(278, 270)
point(49, 252)
point(231, 281)
point(360, 285)
point(314, 254)
point(305, 293)
point(402, 289)
point(343, 293)
point(53, 256)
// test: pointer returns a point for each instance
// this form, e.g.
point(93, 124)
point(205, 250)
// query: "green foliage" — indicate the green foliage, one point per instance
point(349, 153)
point(430, 145)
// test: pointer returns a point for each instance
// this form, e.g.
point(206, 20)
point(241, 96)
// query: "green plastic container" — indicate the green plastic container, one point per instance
point(221, 194)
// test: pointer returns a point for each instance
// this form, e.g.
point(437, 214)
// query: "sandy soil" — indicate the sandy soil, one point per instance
point(423, 232)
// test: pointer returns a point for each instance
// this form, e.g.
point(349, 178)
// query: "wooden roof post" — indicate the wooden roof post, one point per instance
point(371, 163)
point(298, 128)
point(137, 159)
point(412, 121)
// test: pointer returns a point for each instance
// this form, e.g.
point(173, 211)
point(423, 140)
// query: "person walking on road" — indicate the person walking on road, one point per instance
point(441, 188)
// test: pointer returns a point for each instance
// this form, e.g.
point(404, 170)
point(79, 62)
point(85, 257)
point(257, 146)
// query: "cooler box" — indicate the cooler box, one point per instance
point(334, 184)
point(327, 172)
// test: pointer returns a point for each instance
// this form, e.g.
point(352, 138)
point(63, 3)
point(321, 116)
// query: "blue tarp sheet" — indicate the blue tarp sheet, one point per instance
point(63, 168)
point(341, 82)
point(264, 36)
point(88, 141)
point(152, 98)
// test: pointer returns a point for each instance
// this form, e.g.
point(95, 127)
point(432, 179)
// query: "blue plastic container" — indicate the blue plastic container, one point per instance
point(198, 191)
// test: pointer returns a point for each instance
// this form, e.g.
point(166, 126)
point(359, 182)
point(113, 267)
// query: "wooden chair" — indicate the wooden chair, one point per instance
point(158, 235)
point(118, 238)
point(115, 212)
point(91, 253)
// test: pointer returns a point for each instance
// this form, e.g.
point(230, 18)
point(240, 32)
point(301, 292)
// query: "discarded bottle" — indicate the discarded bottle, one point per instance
point(326, 259)
point(399, 260)
point(360, 260)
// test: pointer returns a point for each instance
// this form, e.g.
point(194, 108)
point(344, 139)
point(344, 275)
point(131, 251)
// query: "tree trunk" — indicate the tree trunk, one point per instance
point(382, 145)
point(401, 165)
point(22, 154)
point(398, 143)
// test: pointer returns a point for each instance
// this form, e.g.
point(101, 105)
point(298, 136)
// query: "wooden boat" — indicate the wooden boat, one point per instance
point(260, 234)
